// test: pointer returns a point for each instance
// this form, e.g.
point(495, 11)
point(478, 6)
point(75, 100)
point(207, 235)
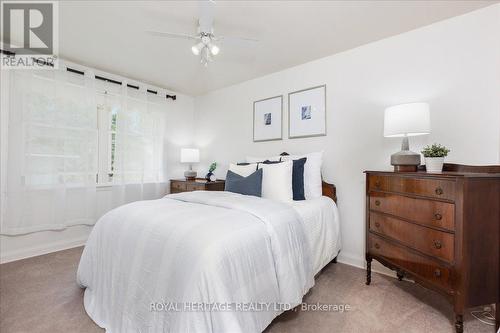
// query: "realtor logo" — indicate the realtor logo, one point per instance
point(29, 28)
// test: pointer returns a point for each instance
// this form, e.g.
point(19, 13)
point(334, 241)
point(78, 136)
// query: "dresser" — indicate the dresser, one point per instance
point(199, 184)
point(442, 230)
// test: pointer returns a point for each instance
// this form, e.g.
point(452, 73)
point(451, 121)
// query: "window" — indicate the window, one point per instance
point(130, 136)
point(107, 116)
point(68, 133)
point(59, 128)
point(112, 142)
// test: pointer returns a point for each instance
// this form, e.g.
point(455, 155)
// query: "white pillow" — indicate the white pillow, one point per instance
point(277, 181)
point(243, 170)
point(312, 173)
point(251, 159)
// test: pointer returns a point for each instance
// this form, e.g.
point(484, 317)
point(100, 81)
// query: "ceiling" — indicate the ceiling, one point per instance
point(109, 35)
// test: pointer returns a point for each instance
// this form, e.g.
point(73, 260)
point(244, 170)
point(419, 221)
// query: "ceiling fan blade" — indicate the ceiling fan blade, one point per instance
point(237, 40)
point(171, 35)
point(206, 15)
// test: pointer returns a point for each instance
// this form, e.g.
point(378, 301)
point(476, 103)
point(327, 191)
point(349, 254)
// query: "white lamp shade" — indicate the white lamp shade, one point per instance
point(407, 119)
point(190, 155)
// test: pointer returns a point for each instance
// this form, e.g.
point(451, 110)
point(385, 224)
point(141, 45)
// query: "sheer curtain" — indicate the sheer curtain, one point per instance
point(69, 134)
point(138, 167)
point(52, 151)
point(135, 122)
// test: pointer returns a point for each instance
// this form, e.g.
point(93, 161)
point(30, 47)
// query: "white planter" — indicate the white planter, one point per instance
point(434, 164)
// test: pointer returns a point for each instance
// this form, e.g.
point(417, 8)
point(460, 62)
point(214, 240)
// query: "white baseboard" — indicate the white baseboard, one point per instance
point(360, 262)
point(351, 260)
point(9, 256)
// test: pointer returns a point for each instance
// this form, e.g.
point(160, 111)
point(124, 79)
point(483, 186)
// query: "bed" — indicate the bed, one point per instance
point(205, 261)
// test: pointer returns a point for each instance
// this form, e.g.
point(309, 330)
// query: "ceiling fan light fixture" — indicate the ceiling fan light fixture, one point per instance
point(196, 49)
point(214, 49)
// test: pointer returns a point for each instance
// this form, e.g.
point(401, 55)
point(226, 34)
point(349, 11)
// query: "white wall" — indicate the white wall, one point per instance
point(454, 65)
point(179, 133)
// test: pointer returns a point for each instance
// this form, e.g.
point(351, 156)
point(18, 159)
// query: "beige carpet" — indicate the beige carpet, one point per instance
point(40, 295)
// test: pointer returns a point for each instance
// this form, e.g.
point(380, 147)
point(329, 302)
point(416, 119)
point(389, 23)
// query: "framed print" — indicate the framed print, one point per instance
point(267, 119)
point(307, 112)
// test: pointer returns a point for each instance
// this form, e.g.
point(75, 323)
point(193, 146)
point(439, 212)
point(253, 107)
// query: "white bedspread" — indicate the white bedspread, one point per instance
point(195, 249)
point(322, 227)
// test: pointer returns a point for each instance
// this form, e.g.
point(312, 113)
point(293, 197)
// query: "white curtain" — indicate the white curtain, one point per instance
point(65, 130)
point(52, 151)
point(138, 123)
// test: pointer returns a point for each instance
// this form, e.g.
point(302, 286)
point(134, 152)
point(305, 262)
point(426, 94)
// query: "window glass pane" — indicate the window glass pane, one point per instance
point(114, 112)
point(112, 150)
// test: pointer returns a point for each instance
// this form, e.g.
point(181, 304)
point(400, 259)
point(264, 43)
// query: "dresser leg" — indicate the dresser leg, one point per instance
point(497, 316)
point(368, 270)
point(459, 323)
point(400, 275)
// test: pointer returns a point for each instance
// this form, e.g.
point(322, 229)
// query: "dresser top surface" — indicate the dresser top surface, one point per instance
point(443, 174)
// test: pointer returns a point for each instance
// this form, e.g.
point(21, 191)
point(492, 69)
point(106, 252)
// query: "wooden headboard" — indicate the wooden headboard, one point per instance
point(329, 190)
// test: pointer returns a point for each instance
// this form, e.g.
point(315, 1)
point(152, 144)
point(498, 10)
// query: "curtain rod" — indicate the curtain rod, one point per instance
point(38, 61)
point(7, 53)
point(102, 78)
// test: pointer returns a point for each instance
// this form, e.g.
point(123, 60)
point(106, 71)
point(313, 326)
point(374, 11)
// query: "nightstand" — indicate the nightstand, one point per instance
point(199, 184)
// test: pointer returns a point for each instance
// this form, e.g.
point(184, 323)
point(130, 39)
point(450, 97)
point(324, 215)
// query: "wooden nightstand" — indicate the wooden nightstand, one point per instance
point(199, 184)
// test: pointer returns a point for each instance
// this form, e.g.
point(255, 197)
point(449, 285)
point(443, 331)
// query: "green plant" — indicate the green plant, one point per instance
point(213, 166)
point(436, 150)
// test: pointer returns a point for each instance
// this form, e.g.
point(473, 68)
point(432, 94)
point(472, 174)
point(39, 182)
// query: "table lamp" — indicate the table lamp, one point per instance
point(406, 120)
point(190, 155)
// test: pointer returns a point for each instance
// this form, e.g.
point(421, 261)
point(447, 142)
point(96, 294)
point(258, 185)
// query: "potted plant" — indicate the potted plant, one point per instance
point(434, 157)
point(210, 175)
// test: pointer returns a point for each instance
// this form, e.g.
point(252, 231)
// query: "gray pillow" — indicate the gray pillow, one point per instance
point(251, 185)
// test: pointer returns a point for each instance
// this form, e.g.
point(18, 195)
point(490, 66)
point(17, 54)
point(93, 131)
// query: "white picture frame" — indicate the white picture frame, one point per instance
point(307, 112)
point(268, 119)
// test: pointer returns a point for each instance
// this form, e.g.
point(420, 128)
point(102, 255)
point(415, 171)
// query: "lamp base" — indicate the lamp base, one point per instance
point(190, 174)
point(405, 168)
point(405, 161)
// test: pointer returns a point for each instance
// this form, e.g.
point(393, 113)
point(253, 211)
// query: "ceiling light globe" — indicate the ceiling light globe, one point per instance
point(214, 49)
point(195, 49)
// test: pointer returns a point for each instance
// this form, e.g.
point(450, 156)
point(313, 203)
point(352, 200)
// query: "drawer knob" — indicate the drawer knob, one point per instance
point(377, 246)
point(439, 190)
point(438, 216)
point(437, 272)
point(377, 202)
point(377, 183)
point(377, 224)
point(437, 244)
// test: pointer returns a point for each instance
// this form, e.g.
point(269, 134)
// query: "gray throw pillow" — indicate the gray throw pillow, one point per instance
point(251, 185)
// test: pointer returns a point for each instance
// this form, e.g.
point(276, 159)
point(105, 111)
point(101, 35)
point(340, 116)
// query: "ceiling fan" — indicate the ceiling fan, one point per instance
point(207, 44)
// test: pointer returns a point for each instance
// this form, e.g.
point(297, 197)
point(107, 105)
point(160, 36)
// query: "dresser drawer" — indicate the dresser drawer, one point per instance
point(415, 264)
point(429, 241)
point(428, 212)
point(434, 188)
point(194, 187)
point(177, 186)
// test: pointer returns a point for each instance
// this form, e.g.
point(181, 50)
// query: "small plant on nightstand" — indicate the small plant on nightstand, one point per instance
point(434, 157)
point(210, 175)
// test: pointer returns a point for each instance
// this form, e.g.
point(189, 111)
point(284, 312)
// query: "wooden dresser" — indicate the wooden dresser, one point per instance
point(199, 184)
point(442, 230)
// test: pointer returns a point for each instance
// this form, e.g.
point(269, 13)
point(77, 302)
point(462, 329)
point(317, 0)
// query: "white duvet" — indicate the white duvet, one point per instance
point(322, 224)
point(195, 262)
